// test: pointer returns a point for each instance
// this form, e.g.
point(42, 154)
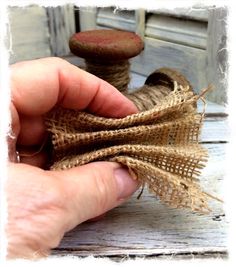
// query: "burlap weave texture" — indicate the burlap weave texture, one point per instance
point(160, 146)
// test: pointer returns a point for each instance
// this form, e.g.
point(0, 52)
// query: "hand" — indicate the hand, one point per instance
point(43, 205)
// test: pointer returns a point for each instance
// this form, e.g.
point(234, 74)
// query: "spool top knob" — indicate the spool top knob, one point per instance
point(106, 44)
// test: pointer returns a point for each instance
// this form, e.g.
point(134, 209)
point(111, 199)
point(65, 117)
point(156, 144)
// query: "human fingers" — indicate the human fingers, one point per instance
point(94, 189)
point(34, 156)
point(38, 85)
point(36, 213)
point(33, 131)
point(43, 205)
point(28, 139)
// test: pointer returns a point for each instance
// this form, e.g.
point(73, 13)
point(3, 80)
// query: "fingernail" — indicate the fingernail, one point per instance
point(126, 184)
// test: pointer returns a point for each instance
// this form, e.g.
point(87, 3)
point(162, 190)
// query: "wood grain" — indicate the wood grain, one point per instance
point(188, 60)
point(196, 12)
point(176, 30)
point(119, 19)
point(61, 24)
point(217, 54)
point(88, 17)
point(140, 22)
point(159, 53)
point(29, 36)
point(215, 130)
point(169, 36)
point(148, 227)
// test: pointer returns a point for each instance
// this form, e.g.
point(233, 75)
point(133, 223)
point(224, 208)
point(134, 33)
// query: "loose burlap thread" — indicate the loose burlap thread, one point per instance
point(160, 145)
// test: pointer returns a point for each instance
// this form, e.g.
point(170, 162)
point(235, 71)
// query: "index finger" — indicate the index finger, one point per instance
point(38, 85)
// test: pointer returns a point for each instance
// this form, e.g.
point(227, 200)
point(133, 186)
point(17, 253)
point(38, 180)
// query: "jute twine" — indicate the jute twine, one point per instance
point(158, 85)
point(159, 145)
point(114, 72)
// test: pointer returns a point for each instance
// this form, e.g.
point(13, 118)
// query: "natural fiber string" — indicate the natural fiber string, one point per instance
point(116, 73)
point(145, 97)
point(159, 145)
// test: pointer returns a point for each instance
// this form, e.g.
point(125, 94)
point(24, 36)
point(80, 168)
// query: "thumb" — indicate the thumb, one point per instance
point(95, 188)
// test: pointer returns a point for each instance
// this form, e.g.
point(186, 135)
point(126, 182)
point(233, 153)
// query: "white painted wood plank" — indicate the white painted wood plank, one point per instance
point(69, 19)
point(176, 30)
point(136, 81)
point(216, 167)
point(23, 16)
point(190, 61)
point(148, 227)
point(186, 26)
point(212, 109)
point(196, 12)
point(88, 17)
point(217, 54)
point(29, 35)
point(140, 22)
point(215, 130)
point(61, 22)
point(118, 19)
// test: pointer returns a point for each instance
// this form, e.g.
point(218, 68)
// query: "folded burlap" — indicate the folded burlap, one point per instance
point(159, 146)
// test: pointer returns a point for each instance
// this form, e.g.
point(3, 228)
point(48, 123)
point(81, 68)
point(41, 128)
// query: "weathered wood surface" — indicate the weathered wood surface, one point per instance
point(28, 33)
point(188, 60)
point(176, 30)
point(149, 228)
point(170, 34)
point(118, 19)
point(217, 54)
point(195, 12)
point(36, 32)
point(213, 109)
point(161, 49)
point(61, 24)
point(140, 22)
point(160, 26)
point(88, 17)
point(215, 130)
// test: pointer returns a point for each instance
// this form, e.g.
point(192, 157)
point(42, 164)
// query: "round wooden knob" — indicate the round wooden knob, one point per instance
point(109, 45)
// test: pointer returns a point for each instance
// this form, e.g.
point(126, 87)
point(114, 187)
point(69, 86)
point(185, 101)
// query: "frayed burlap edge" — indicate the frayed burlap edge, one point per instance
point(160, 146)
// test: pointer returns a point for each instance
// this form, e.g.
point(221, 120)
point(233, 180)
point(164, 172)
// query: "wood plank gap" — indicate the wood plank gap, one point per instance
point(216, 116)
point(142, 252)
point(213, 142)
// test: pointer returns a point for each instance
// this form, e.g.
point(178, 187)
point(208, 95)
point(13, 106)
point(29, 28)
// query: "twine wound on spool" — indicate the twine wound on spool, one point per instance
point(116, 73)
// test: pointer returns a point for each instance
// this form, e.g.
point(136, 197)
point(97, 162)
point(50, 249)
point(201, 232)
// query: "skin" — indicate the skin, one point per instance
point(43, 205)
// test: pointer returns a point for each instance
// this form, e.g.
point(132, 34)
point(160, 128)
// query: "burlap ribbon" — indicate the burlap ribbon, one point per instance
point(160, 146)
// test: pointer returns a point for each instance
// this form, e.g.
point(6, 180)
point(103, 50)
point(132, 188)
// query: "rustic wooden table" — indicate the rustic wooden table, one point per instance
point(146, 227)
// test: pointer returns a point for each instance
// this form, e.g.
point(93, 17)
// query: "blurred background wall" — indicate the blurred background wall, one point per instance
point(191, 40)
